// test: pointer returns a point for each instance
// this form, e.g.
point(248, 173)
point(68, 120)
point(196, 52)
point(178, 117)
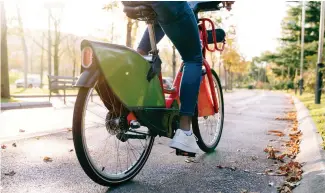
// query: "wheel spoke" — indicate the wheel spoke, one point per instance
point(210, 127)
point(107, 153)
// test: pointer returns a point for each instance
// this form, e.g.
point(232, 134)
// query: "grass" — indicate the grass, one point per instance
point(10, 100)
point(317, 111)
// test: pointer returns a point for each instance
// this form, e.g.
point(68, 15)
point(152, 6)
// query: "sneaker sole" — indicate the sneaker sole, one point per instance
point(180, 146)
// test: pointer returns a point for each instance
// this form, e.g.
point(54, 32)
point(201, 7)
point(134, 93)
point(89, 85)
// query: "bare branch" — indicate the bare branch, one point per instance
point(39, 45)
point(64, 37)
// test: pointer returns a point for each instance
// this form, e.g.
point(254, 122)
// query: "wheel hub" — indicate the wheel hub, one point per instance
point(115, 125)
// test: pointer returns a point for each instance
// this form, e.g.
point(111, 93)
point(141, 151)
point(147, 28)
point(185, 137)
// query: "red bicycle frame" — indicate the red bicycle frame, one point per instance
point(207, 100)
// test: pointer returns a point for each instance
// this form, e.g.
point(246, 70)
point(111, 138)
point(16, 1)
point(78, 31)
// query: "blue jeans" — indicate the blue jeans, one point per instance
point(177, 20)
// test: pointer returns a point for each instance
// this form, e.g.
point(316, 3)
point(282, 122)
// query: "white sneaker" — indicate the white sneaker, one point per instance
point(184, 142)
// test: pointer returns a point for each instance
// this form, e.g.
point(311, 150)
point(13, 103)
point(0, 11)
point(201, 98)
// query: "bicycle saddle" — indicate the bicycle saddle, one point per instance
point(136, 10)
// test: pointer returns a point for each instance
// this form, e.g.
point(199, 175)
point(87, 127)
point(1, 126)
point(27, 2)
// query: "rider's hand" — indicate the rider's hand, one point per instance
point(227, 4)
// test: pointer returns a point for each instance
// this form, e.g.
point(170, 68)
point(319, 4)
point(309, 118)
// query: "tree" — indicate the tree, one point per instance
point(286, 59)
point(231, 58)
point(131, 25)
point(23, 41)
point(5, 89)
point(54, 18)
point(42, 61)
point(72, 51)
point(57, 40)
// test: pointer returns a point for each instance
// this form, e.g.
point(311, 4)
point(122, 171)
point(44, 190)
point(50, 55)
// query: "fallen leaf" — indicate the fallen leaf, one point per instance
point(14, 145)
point(292, 185)
point(3, 146)
point(10, 173)
point(276, 132)
point(271, 152)
point(71, 150)
point(281, 157)
point(284, 189)
point(21, 130)
point(268, 170)
point(47, 159)
point(37, 138)
point(69, 129)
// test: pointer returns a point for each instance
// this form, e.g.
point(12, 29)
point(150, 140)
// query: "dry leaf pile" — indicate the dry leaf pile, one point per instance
point(291, 169)
point(47, 159)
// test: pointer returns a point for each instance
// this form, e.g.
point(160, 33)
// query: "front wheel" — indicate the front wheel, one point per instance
point(208, 129)
point(110, 154)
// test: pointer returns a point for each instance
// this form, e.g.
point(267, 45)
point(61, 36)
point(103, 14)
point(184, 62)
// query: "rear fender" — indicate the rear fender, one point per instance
point(125, 72)
point(88, 78)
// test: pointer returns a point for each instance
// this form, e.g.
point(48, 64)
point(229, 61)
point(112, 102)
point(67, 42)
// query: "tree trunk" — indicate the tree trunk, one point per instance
point(226, 81)
point(31, 59)
point(134, 30)
point(74, 68)
point(174, 62)
point(128, 33)
point(56, 49)
point(49, 46)
point(42, 63)
point(5, 89)
point(22, 35)
point(56, 61)
point(231, 76)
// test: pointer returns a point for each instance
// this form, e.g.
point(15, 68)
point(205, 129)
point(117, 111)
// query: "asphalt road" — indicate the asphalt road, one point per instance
point(249, 114)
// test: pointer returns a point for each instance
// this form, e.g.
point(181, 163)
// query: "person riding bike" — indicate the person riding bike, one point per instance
point(178, 22)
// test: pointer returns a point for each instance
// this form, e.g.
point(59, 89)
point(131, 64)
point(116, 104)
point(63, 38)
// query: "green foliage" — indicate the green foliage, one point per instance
point(289, 84)
point(289, 51)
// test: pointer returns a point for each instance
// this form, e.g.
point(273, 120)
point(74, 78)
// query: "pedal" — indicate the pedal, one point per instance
point(184, 153)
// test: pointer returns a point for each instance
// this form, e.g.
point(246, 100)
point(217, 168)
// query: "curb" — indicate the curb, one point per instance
point(24, 105)
point(31, 135)
point(313, 177)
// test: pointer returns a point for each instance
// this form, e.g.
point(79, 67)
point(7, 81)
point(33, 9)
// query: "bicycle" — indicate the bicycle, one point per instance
point(129, 86)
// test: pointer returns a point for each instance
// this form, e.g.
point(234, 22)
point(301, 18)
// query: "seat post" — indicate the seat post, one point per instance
point(152, 36)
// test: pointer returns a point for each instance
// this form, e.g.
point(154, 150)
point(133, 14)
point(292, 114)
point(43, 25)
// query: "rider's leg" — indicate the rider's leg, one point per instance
point(179, 23)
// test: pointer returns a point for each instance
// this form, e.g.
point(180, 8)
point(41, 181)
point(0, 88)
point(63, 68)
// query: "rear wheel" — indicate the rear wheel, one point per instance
point(208, 129)
point(109, 155)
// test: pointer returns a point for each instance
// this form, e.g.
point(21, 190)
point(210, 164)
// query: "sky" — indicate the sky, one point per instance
point(257, 22)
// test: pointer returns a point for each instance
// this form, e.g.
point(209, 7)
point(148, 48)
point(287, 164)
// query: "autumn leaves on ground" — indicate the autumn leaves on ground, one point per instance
point(284, 151)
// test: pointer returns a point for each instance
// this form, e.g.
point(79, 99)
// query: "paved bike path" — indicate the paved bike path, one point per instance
point(248, 117)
